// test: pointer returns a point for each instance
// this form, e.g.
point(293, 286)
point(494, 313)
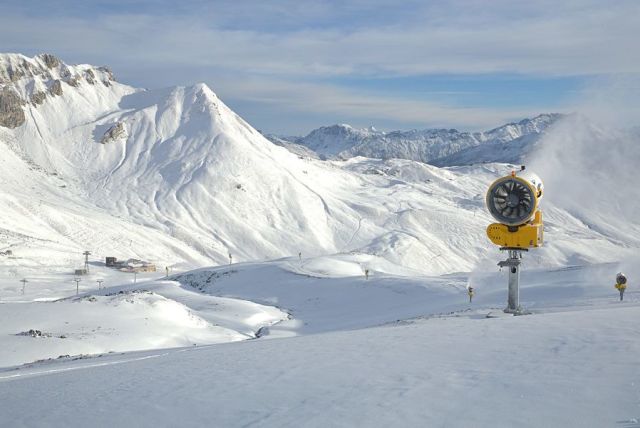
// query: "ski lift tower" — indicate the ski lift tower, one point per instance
point(77, 281)
point(86, 260)
point(513, 201)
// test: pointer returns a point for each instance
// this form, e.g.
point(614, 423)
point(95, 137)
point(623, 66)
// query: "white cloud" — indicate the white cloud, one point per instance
point(350, 104)
point(283, 53)
point(598, 38)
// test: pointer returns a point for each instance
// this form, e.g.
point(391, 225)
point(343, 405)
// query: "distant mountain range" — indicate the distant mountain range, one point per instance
point(508, 143)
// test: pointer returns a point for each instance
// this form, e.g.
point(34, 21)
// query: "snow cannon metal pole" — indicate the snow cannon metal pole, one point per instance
point(513, 201)
point(513, 264)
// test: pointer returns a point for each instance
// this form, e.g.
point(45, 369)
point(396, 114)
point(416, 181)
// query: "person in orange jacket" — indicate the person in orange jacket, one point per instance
point(621, 284)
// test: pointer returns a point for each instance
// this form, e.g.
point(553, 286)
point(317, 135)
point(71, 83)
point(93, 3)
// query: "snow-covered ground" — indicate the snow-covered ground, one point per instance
point(176, 178)
point(49, 320)
point(571, 363)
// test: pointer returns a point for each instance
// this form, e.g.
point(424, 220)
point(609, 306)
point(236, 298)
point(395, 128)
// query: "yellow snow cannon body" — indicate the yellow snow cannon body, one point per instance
point(621, 281)
point(513, 201)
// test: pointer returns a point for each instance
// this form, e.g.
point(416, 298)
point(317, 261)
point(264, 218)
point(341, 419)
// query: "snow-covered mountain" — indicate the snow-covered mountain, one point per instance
point(507, 143)
point(515, 151)
point(173, 175)
point(176, 160)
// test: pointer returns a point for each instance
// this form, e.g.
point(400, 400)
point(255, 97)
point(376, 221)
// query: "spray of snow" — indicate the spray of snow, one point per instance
point(589, 166)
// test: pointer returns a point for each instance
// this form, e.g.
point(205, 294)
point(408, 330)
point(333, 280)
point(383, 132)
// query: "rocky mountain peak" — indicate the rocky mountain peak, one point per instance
point(25, 80)
point(14, 67)
point(49, 60)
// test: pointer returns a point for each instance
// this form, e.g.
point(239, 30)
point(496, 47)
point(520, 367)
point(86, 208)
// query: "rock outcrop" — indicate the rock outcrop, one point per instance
point(116, 132)
point(56, 88)
point(49, 60)
point(74, 81)
point(11, 112)
point(31, 81)
point(38, 97)
point(109, 78)
point(90, 76)
point(18, 68)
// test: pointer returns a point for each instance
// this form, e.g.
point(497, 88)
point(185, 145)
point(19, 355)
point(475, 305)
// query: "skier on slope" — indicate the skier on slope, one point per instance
point(621, 284)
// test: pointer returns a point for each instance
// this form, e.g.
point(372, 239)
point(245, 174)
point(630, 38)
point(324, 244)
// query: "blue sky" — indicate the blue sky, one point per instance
point(289, 66)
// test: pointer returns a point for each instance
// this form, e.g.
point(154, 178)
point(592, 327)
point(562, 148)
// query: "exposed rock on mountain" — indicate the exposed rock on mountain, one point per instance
point(11, 113)
point(38, 97)
point(56, 88)
point(109, 77)
point(90, 76)
point(32, 80)
point(116, 132)
point(50, 61)
point(14, 66)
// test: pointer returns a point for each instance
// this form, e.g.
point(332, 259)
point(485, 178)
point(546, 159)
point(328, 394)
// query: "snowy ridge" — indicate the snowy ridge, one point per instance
point(512, 131)
point(437, 146)
point(517, 151)
point(511, 143)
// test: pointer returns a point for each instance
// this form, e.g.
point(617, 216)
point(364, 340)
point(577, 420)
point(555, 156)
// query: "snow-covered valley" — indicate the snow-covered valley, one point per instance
point(345, 280)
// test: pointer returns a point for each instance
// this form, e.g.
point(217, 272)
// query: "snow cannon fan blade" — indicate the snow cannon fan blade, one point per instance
point(513, 200)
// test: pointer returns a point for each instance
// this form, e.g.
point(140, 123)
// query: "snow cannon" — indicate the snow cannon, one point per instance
point(621, 279)
point(513, 201)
